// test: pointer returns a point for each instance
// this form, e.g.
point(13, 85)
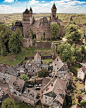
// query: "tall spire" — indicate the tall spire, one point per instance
point(54, 6)
point(30, 9)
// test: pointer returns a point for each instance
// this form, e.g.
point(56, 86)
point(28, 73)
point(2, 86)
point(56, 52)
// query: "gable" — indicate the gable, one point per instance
point(81, 72)
point(51, 94)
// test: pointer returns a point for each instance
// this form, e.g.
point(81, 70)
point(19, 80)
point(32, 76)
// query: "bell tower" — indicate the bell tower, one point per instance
point(53, 9)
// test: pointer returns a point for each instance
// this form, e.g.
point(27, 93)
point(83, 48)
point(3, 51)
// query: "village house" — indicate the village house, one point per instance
point(27, 91)
point(16, 85)
point(54, 92)
point(81, 73)
point(59, 67)
point(5, 77)
point(75, 106)
point(33, 66)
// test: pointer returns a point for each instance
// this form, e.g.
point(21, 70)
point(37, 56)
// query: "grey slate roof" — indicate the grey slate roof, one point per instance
point(2, 69)
point(11, 71)
point(16, 83)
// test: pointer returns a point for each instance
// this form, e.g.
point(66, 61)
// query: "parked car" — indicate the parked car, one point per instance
point(2, 93)
point(30, 85)
point(37, 88)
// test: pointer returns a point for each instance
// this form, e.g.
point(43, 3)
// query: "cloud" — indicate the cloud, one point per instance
point(5, 9)
point(9, 1)
point(43, 1)
point(33, 2)
point(63, 6)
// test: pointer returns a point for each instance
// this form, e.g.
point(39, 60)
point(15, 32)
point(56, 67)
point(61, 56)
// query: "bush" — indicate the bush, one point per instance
point(43, 73)
point(8, 103)
point(25, 77)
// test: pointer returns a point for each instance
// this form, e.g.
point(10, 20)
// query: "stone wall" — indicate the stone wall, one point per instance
point(27, 42)
point(43, 44)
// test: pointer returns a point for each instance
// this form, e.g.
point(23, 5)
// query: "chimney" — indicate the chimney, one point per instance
point(51, 83)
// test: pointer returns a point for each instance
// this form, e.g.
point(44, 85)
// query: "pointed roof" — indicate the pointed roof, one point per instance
point(26, 11)
point(37, 56)
point(58, 63)
point(30, 9)
point(58, 87)
point(54, 6)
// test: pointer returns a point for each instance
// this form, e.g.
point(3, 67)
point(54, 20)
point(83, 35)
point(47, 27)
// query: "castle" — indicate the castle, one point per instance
point(40, 28)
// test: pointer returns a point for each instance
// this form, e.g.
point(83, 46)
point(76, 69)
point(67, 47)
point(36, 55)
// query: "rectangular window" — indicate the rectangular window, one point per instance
point(45, 97)
point(45, 101)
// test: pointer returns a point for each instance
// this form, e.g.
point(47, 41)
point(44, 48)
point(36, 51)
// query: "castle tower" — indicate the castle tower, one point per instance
point(26, 22)
point(31, 11)
point(54, 9)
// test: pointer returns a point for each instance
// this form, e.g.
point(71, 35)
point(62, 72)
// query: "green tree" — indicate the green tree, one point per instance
point(78, 54)
point(4, 40)
point(83, 103)
point(65, 52)
point(67, 55)
point(43, 73)
point(24, 77)
point(3, 27)
point(55, 30)
point(38, 106)
point(15, 41)
point(72, 33)
point(83, 49)
point(8, 103)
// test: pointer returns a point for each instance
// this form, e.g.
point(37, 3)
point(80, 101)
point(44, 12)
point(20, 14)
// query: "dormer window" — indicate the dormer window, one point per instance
point(38, 65)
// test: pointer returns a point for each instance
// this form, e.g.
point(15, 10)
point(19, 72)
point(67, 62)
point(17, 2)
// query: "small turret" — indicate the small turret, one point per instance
point(31, 11)
point(26, 11)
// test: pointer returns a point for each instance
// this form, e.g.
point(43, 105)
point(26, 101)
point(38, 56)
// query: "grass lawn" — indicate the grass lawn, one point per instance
point(26, 52)
point(47, 60)
point(79, 85)
point(22, 105)
point(74, 78)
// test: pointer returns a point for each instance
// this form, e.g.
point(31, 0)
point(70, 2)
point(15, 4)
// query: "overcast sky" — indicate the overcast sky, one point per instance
point(38, 6)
